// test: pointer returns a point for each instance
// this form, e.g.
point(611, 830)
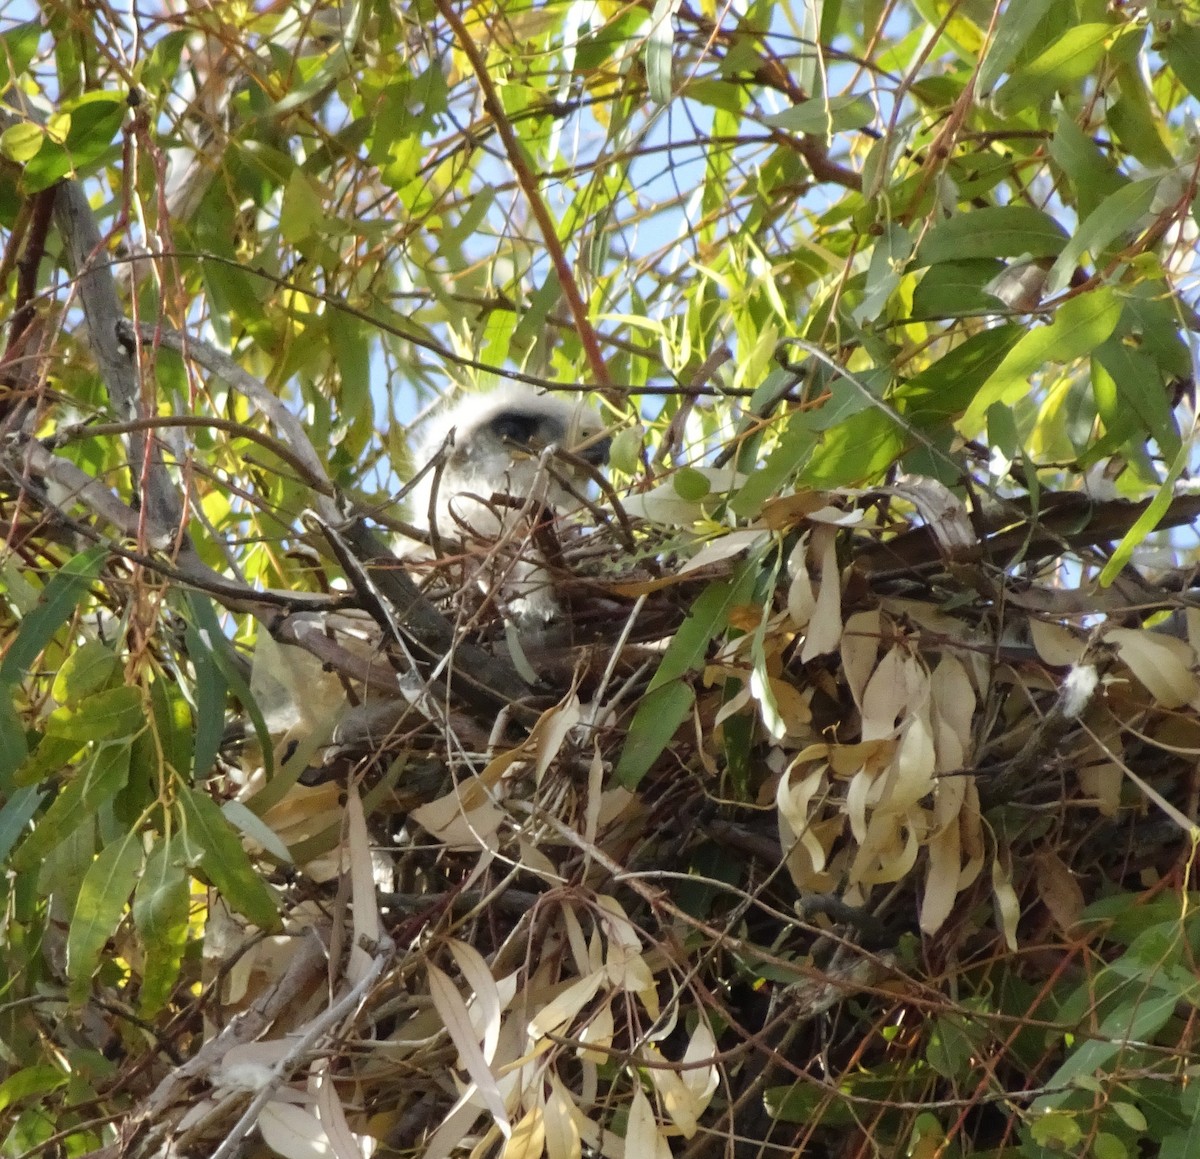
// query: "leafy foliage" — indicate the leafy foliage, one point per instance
point(857, 812)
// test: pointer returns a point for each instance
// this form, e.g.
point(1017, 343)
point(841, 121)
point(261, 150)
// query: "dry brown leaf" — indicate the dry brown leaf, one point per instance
point(1059, 890)
point(786, 511)
point(1057, 646)
point(872, 756)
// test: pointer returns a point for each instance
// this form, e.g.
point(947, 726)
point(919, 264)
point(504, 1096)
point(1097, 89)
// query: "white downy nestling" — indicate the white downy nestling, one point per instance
point(498, 440)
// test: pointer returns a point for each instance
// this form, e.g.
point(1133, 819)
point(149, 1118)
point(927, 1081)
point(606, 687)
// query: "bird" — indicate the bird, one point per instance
point(494, 474)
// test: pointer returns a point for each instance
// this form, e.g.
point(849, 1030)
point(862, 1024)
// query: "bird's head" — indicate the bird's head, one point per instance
point(498, 440)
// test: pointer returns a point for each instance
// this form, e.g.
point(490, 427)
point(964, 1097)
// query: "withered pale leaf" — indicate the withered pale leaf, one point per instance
point(598, 1032)
point(825, 626)
point(723, 548)
point(560, 1011)
point(456, 826)
point(884, 696)
point(486, 1004)
point(562, 1135)
point(345, 1144)
point(1162, 664)
point(642, 1137)
point(701, 1081)
point(793, 798)
point(945, 853)
point(457, 1020)
point(364, 907)
point(1102, 781)
point(953, 699)
point(801, 599)
point(552, 729)
point(1008, 907)
point(293, 1132)
point(860, 647)
point(914, 763)
point(528, 1137)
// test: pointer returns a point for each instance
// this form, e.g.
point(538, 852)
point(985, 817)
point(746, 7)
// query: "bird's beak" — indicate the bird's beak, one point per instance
point(596, 452)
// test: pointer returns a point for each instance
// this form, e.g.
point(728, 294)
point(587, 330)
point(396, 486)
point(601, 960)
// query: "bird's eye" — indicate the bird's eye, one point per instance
point(515, 428)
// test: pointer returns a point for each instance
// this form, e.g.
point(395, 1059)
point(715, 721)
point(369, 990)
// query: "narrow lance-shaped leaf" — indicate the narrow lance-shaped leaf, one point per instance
point(210, 836)
point(160, 915)
point(62, 595)
point(669, 698)
point(99, 908)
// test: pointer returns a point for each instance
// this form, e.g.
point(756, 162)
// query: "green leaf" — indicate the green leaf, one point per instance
point(225, 862)
point(669, 698)
point(160, 915)
point(946, 388)
point(51, 755)
point(77, 802)
point(95, 118)
point(1005, 231)
point(86, 670)
point(303, 212)
point(62, 595)
point(31, 1082)
point(1130, 1115)
point(117, 712)
point(210, 690)
point(1136, 120)
point(660, 47)
point(824, 117)
point(21, 142)
point(1182, 52)
point(690, 484)
point(18, 47)
point(1137, 1019)
point(1141, 392)
point(98, 909)
point(1067, 60)
point(1092, 174)
point(855, 450)
point(1079, 326)
point(1056, 1131)
point(15, 814)
point(794, 449)
point(220, 651)
point(1014, 26)
point(249, 823)
point(1146, 522)
point(658, 717)
point(1118, 214)
point(172, 726)
point(1106, 1145)
point(955, 289)
point(14, 745)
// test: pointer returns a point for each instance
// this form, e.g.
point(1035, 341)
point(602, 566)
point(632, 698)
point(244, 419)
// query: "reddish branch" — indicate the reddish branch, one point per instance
point(529, 186)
